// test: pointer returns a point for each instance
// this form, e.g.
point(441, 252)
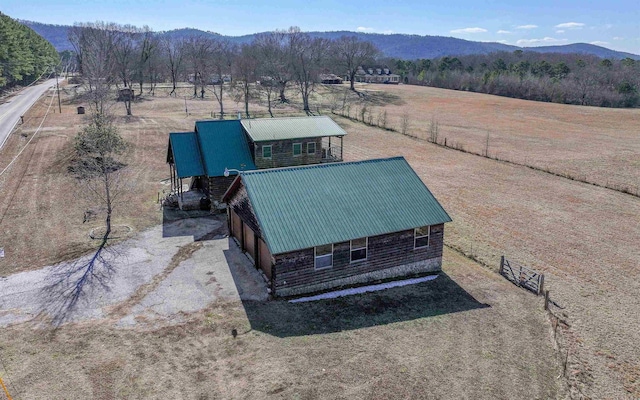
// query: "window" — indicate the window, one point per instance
point(297, 149)
point(311, 148)
point(359, 249)
point(421, 237)
point(266, 151)
point(324, 256)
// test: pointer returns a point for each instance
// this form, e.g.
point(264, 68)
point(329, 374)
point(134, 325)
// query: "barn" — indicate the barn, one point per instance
point(314, 228)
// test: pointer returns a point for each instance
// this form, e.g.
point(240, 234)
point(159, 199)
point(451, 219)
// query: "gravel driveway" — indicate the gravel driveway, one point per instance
point(160, 275)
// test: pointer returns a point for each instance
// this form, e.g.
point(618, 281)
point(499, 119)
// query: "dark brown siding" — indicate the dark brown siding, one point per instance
point(282, 153)
point(296, 269)
point(218, 185)
point(240, 204)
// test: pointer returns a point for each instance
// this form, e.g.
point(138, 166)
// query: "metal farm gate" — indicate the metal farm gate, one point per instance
point(522, 276)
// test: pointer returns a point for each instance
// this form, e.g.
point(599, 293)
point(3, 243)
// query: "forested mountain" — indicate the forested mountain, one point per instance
point(24, 55)
point(406, 47)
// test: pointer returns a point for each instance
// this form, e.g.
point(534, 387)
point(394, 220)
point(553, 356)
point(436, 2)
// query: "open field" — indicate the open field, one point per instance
point(599, 145)
point(585, 239)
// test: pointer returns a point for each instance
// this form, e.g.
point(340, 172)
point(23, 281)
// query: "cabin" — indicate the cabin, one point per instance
point(216, 146)
point(319, 227)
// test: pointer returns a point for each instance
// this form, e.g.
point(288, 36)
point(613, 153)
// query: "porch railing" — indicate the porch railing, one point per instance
point(331, 154)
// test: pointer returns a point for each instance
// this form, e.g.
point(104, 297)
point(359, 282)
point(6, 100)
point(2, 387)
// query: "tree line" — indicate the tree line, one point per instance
point(127, 57)
point(24, 55)
point(551, 77)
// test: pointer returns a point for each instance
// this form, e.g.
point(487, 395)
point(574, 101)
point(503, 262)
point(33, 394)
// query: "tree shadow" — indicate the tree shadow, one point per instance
point(381, 98)
point(202, 225)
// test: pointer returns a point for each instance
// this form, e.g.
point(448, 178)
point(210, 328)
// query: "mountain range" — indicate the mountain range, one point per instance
point(403, 46)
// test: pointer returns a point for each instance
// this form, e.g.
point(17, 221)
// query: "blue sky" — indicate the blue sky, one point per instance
point(614, 24)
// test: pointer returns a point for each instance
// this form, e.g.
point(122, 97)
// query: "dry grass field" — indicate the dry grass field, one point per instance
point(599, 145)
point(467, 334)
point(584, 238)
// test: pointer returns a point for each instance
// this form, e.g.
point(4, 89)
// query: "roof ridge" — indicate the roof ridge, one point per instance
point(323, 165)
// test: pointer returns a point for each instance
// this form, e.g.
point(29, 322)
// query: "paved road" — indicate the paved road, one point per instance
point(18, 105)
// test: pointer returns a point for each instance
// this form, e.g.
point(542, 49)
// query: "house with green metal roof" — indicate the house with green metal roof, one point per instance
point(242, 145)
point(312, 228)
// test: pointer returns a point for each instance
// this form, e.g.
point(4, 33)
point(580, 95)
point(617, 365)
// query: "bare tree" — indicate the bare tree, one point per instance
point(223, 58)
point(199, 54)
point(350, 53)
point(174, 50)
point(95, 45)
point(306, 55)
point(98, 166)
point(126, 61)
point(274, 68)
point(147, 44)
point(246, 67)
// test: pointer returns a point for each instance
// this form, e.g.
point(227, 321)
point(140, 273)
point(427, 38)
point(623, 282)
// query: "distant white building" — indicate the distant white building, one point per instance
point(375, 75)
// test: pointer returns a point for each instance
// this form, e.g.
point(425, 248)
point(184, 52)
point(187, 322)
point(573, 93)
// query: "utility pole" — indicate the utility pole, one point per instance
point(57, 90)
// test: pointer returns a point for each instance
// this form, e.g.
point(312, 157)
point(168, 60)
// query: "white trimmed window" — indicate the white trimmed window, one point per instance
point(266, 151)
point(297, 149)
point(323, 256)
point(359, 249)
point(421, 237)
point(311, 148)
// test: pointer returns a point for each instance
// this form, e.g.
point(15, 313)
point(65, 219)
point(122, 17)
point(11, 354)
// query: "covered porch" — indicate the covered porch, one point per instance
point(332, 149)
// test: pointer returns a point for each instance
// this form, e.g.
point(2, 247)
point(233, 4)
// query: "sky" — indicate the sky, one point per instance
point(614, 24)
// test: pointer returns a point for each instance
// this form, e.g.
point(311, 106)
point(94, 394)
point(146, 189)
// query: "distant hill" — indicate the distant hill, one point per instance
point(402, 46)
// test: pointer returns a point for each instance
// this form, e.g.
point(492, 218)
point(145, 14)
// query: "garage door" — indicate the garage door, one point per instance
point(265, 258)
point(249, 241)
point(236, 226)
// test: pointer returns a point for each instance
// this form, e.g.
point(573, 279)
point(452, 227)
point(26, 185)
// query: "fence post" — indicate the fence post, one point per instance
point(501, 264)
point(546, 300)
point(541, 284)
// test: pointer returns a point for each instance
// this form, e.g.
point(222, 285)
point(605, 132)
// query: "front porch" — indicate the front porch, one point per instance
point(331, 152)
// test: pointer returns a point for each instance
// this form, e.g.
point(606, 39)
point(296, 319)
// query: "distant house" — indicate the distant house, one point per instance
point(213, 146)
point(375, 75)
point(330, 79)
point(312, 228)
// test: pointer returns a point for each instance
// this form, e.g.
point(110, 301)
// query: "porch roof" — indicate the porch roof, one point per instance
point(265, 129)
point(185, 153)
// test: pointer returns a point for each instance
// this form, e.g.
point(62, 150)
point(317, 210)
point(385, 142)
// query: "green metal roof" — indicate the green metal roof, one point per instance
point(302, 207)
point(223, 145)
point(186, 155)
point(291, 128)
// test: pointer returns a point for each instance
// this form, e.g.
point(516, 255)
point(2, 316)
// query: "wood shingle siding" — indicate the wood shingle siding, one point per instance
point(296, 272)
point(282, 153)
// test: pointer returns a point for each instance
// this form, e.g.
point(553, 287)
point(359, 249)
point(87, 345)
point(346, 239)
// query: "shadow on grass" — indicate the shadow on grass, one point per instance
point(202, 225)
point(283, 319)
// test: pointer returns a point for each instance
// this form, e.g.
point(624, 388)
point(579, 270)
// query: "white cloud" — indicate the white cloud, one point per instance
point(469, 30)
point(364, 29)
point(545, 40)
point(600, 43)
point(502, 41)
point(527, 26)
point(500, 32)
point(618, 38)
point(570, 25)
point(559, 31)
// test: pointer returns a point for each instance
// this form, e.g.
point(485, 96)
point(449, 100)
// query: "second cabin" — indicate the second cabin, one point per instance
point(242, 145)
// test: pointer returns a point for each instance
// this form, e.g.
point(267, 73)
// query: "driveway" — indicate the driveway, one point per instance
point(154, 279)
